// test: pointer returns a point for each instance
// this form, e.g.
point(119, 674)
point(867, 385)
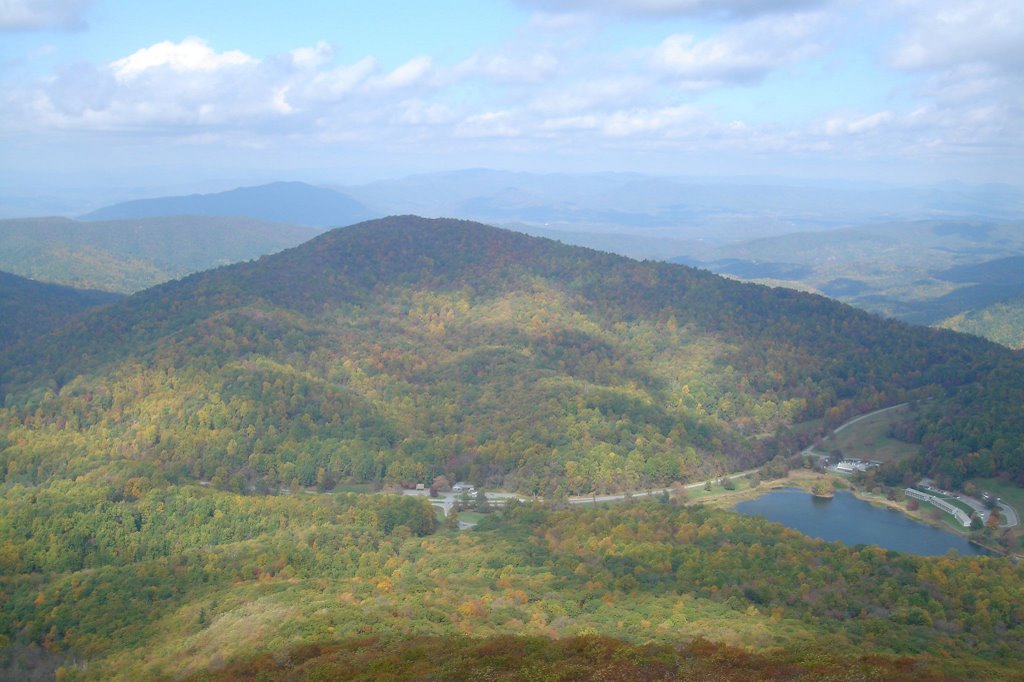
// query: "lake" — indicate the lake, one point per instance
point(852, 522)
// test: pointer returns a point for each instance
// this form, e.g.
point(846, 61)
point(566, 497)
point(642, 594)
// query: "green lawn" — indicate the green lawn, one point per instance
point(811, 426)
point(471, 516)
point(947, 519)
point(867, 439)
point(960, 505)
point(354, 488)
point(742, 483)
point(1011, 494)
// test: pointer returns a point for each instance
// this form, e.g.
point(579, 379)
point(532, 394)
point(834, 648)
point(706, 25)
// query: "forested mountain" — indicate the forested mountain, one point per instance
point(29, 308)
point(1003, 322)
point(942, 273)
point(287, 202)
point(400, 349)
point(130, 255)
point(102, 582)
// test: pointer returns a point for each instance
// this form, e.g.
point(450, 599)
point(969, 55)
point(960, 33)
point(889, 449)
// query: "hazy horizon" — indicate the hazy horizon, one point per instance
point(106, 95)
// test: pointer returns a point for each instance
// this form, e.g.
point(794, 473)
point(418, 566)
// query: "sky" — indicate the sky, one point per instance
point(149, 95)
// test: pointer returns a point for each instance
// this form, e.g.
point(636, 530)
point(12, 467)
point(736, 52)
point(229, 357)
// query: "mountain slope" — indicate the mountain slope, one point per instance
point(130, 255)
point(400, 349)
point(1001, 322)
point(920, 272)
point(286, 202)
point(166, 583)
point(29, 308)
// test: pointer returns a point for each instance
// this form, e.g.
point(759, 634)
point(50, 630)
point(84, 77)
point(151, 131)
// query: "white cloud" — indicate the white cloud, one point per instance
point(28, 15)
point(312, 57)
point(739, 54)
point(571, 123)
point(597, 94)
point(967, 59)
point(280, 100)
point(857, 126)
point(489, 124)
point(188, 89)
point(334, 83)
point(506, 68)
point(191, 54)
point(633, 122)
point(541, 92)
point(413, 72)
point(953, 32)
point(418, 112)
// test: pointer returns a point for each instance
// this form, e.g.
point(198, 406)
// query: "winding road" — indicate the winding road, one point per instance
point(591, 499)
point(865, 416)
point(447, 499)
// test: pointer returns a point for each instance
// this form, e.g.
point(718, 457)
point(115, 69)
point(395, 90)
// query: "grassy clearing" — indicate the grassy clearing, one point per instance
point(1011, 494)
point(354, 488)
point(935, 514)
point(812, 426)
point(471, 516)
point(742, 483)
point(963, 506)
point(867, 439)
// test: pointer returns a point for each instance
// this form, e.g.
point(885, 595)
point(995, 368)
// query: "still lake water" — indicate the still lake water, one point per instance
point(853, 522)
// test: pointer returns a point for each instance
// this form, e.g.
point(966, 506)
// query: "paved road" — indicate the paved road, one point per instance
point(865, 416)
point(446, 500)
point(1009, 513)
point(590, 499)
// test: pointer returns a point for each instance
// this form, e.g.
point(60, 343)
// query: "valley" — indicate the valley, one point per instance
point(152, 451)
point(962, 275)
point(514, 340)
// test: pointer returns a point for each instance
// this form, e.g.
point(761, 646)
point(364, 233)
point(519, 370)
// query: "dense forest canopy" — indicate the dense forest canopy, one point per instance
point(171, 582)
point(166, 464)
point(29, 309)
point(400, 349)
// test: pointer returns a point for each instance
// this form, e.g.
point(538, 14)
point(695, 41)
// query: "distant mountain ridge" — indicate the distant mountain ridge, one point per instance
point(288, 202)
point(29, 308)
point(942, 273)
point(129, 255)
point(716, 210)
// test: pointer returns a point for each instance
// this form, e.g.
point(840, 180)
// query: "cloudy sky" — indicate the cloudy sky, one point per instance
point(121, 91)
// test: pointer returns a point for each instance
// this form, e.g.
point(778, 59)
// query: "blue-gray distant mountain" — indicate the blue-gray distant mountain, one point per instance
point(715, 211)
point(966, 275)
point(287, 202)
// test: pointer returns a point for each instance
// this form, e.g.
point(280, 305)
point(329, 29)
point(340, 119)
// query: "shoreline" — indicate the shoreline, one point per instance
point(879, 501)
point(804, 480)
